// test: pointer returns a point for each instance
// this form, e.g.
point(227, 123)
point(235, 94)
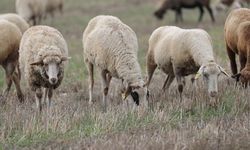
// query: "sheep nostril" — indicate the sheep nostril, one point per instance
point(213, 93)
point(53, 80)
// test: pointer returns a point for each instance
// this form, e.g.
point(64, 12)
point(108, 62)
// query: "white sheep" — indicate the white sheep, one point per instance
point(181, 52)
point(31, 10)
point(43, 52)
point(10, 36)
point(17, 20)
point(53, 5)
point(112, 47)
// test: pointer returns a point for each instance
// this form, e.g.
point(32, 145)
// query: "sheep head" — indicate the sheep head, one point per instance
point(166, 4)
point(50, 61)
point(211, 72)
point(227, 2)
point(137, 91)
point(243, 76)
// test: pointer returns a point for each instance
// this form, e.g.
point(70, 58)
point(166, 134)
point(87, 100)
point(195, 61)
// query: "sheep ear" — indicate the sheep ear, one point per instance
point(223, 71)
point(126, 93)
point(138, 85)
point(65, 58)
point(199, 73)
point(37, 63)
point(145, 82)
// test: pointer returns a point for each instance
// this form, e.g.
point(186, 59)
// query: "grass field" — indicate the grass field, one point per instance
point(72, 124)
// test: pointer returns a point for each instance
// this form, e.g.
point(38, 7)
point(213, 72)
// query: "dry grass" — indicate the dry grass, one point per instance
point(170, 124)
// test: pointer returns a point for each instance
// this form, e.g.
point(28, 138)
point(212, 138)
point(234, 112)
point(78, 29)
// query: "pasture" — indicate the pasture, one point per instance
point(73, 124)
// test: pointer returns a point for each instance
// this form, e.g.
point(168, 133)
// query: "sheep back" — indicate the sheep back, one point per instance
point(10, 37)
point(236, 29)
point(183, 47)
point(17, 20)
point(112, 45)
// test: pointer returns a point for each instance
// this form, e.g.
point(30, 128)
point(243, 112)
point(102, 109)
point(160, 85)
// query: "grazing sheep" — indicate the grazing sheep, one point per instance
point(31, 10)
point(177, 6)
point(112, 46)
point(53, 5)
point(10, 37)
point(17, 20)
point(237, 37)
point(219, 6)
point(43, 52)
point(181, 52)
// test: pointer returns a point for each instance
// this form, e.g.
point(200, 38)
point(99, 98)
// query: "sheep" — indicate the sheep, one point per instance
point(54, 5)
point(237, 38)
point(17, 20)
point(177, 5)
point(182, 52)
point(31, 10)
point(233, 2)
point(43, 52)
point(10, 37)
point(112, 47)
point(226, 6)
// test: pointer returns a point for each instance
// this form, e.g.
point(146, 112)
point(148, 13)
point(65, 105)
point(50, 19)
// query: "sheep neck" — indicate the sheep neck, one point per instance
point(129, 69)
point(248, 58)
point(203, 56)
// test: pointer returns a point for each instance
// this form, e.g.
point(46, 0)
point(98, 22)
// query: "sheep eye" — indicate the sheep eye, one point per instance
point(205, 75)
point(59, 74)
point(46, 76)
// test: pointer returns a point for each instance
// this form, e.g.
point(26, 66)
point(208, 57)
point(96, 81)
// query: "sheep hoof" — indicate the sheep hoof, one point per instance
point(21, 98)
point(90, 103)
point(213, 102)
point(2, 100)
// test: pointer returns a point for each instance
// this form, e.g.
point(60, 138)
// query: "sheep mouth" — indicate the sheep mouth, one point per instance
point(213, 94)
point(53, 81)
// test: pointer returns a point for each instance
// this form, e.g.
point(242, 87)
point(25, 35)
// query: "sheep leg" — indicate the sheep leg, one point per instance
point(168, 82)
point(90, 67)
point(39, 95)
point(50, 94)
point(181, 83)
point(16, 79)
point(201, 13)
point(18, 72)
point(180, 15)
point(177, 14)
point(151, 66)
point(9, 83)
point(105, 86)
point(45, 96)
point(243, 61)
point(61, 8)
point(109, 77)
point(9, 69)
point(210, 12)
point(39, 19)
point(233, 64)
point(33, 19)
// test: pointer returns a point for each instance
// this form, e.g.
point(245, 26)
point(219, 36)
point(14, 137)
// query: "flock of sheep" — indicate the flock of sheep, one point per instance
point(39, 53)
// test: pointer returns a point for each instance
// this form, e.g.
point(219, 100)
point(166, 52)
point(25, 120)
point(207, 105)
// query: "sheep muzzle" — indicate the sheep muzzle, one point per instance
point(52, 72)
